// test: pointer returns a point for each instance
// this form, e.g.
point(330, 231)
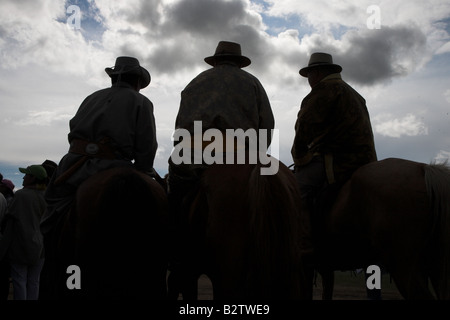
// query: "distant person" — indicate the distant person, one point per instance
point(6, 197)
point(4, 265)
point(7, 189)
point(113, 127)
point(2, 202)
point(22, 243)
point(3, 206)
point(333, 132)
point(49, 166)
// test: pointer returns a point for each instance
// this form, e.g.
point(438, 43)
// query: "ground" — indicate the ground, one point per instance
point(348, 286)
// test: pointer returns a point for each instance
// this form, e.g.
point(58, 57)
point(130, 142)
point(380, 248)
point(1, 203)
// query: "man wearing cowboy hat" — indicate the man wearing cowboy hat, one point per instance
point(223, 97)
point(333, 133)
point(112, 127)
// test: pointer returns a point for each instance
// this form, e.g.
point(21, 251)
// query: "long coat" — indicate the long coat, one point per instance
point(225, 97)
point(333, 119)
point(122, 115)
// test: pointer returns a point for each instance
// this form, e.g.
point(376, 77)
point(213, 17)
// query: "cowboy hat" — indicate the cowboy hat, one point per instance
point(130, 65)
point(319, 60)
point(226, 49)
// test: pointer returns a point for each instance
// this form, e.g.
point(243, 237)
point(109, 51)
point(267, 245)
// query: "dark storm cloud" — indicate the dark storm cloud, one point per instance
point(182, 34)
point(368, 57)
point(376, 56)
point(207, 16)
point(170, 57)
point(191, 30)
point(147, 14)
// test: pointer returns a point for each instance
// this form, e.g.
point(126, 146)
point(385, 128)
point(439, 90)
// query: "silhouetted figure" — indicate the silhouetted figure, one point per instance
point(113, 127)
point(22, 243)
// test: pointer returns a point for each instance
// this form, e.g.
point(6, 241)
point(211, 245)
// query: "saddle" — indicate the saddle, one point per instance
point(87, 149)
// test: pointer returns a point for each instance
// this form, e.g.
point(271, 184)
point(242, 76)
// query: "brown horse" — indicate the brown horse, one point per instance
point(115, 234)
point(244, 233)
point(396, 213)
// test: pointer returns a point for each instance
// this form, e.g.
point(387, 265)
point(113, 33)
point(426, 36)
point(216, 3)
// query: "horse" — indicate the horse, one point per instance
point(115, 233)
point(244, 234)
point(396, 213)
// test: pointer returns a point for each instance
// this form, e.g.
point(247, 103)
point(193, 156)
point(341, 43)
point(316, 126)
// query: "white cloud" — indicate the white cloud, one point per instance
point(409, 125)
point(40, 36)
point(445, 48)
point(442, 156)
point(324, 14)
point(447, 95)
point(43, 118)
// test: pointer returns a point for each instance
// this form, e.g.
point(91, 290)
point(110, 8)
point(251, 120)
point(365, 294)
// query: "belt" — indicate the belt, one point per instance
point(88, 150)
point(92, 149)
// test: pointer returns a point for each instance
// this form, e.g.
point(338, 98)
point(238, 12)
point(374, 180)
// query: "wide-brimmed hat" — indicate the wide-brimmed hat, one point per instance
point(227, 49)
point(130, 65)
point(35, 170)
point(49, 166)
point(320, 60)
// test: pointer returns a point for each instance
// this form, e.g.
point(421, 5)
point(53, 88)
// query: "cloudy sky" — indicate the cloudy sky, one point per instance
point(53, 54)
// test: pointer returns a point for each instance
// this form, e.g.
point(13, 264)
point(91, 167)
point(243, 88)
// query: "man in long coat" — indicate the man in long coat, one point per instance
point(113, 127)
point(223, 97)
point(333, 132)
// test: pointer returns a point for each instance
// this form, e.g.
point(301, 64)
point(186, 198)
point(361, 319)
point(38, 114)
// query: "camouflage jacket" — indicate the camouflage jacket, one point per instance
point(225, 97)
point(333, 119)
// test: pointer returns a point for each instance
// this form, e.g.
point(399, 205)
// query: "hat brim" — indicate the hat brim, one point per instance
point(242, 60)
point(145, 77)
point(304, 71)
point(24, 170)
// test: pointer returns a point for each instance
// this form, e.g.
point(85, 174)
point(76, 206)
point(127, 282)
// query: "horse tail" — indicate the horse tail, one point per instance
point(274, 232)
point(437, 180)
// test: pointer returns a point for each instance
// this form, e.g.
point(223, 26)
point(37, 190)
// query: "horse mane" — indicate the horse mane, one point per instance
point(275, 228)
point(437, 177)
